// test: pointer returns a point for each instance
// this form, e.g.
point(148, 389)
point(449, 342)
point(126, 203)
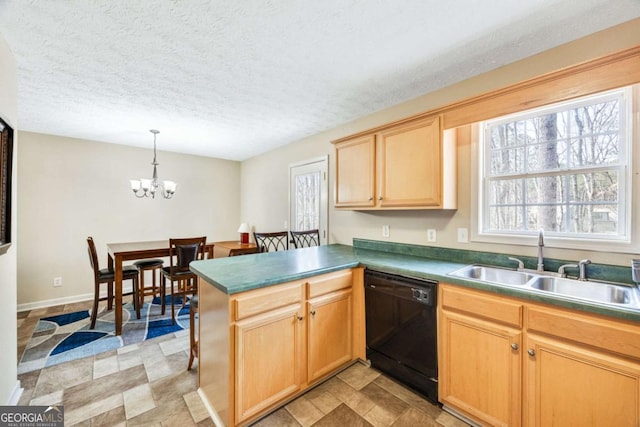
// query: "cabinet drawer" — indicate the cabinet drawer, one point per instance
point(480, 304)
point(616, 336)
point(259, 301)
point(329, 283)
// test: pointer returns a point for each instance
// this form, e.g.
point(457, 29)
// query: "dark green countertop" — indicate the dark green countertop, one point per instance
point(242, 273)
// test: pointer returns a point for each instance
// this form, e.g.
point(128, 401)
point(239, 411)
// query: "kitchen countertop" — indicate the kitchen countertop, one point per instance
point(242, 273)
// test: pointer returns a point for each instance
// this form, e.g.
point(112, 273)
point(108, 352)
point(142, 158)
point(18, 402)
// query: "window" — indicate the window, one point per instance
point(308, 196)
point(564, 168)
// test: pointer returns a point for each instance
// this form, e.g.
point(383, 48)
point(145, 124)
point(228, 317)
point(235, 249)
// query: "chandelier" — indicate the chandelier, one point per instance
point(148, 187)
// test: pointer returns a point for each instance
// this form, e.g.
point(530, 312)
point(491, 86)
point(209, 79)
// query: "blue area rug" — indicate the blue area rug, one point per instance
point(58, 339)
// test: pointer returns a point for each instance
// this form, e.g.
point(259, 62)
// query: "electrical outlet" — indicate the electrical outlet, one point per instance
point(286, 225)
point(431, 235)
point(57, 281)
point(385, 231)
point(463, 235)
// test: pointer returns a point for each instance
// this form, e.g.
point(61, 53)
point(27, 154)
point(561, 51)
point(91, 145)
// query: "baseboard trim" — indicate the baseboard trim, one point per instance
point(64, 300)
point(15, 395)
point(212, 412)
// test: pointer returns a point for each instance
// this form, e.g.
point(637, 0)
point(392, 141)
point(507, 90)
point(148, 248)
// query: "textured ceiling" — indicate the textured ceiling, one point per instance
point(232, 79)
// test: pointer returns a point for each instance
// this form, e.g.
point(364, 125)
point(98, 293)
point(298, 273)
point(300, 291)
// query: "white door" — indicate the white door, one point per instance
point(308, 193)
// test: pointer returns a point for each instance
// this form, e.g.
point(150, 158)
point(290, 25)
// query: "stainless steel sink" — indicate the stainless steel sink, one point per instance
point(613, 294)
point(494, 275)
point(595, 291)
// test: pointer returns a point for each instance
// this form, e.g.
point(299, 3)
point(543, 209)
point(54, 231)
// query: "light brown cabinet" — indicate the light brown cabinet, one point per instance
point(479, 347)
point(330, 330)
point(282, 339)
point(410, 165)
point(510, 362)
point(578, 361)
point(355, 173)
point(268, 349)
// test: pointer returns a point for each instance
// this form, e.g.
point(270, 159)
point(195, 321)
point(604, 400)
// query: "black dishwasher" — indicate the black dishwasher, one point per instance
point(401, 329)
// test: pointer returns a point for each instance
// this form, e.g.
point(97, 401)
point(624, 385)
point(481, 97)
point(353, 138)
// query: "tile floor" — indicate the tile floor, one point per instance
point(148, 384)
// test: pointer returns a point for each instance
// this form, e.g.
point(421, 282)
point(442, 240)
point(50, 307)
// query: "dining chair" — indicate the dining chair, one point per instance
point(272, 242)
point(181, 253)
point(152, 265)
point(193, 311)
point(305, 239)
point(105, 275)
point(193, 342)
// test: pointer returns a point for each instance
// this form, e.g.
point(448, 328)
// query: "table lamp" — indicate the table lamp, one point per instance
point(244, 232)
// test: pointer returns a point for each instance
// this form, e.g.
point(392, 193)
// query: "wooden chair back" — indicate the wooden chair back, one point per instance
point(272, 242)
point(93, 258)
point(305, 239)
point(184, 250)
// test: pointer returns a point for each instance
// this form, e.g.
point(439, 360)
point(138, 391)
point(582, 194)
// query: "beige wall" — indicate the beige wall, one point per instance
point(264, 178)
point(70, 189)
point(9, 386)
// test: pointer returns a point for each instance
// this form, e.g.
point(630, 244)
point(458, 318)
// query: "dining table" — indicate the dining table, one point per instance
point(128, 251)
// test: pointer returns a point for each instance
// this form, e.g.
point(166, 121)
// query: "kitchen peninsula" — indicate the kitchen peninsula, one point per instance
point(274, 324)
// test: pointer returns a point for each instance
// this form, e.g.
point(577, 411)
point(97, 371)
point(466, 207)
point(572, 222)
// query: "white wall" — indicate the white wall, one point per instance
point(70, 189)
point(8, 333)
point(264, 178)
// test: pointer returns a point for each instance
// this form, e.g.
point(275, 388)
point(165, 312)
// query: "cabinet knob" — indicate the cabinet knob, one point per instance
point(371, 198)
point(299, 317)
point(531, 352)
point(514, 346)
point(313, 312)
point(379, 197)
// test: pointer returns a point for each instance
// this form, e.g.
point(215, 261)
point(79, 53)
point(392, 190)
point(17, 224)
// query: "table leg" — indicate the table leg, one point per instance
point(118, 292)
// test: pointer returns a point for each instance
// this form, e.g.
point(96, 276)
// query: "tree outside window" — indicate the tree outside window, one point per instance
point(562, 169)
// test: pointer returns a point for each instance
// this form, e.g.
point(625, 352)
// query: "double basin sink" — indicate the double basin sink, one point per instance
point(600, 292)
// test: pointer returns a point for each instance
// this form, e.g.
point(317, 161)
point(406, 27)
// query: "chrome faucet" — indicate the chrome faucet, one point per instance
point(540, 245)
point(583, 269)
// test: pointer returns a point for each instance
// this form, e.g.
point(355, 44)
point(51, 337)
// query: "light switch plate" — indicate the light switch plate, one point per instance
point(463, 235)
point(385, 231)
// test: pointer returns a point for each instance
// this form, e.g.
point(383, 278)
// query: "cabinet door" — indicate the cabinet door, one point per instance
point(573, 385)
point(329, 333)
point(410, 164)
point(355, 172)
point(269, 359)
point(480, 371)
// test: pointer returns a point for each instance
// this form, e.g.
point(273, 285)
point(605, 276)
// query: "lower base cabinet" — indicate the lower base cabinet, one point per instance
point(268, 359)
point(330, 321)
point(482, 372)
point(510, 362)
point(574, 385)
point(280, 340)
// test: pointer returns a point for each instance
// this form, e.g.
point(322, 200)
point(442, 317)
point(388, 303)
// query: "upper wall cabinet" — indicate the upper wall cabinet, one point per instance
point(410, 165)
point(355, 172)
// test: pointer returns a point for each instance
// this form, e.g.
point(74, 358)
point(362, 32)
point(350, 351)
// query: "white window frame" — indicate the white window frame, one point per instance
point(629, 243)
